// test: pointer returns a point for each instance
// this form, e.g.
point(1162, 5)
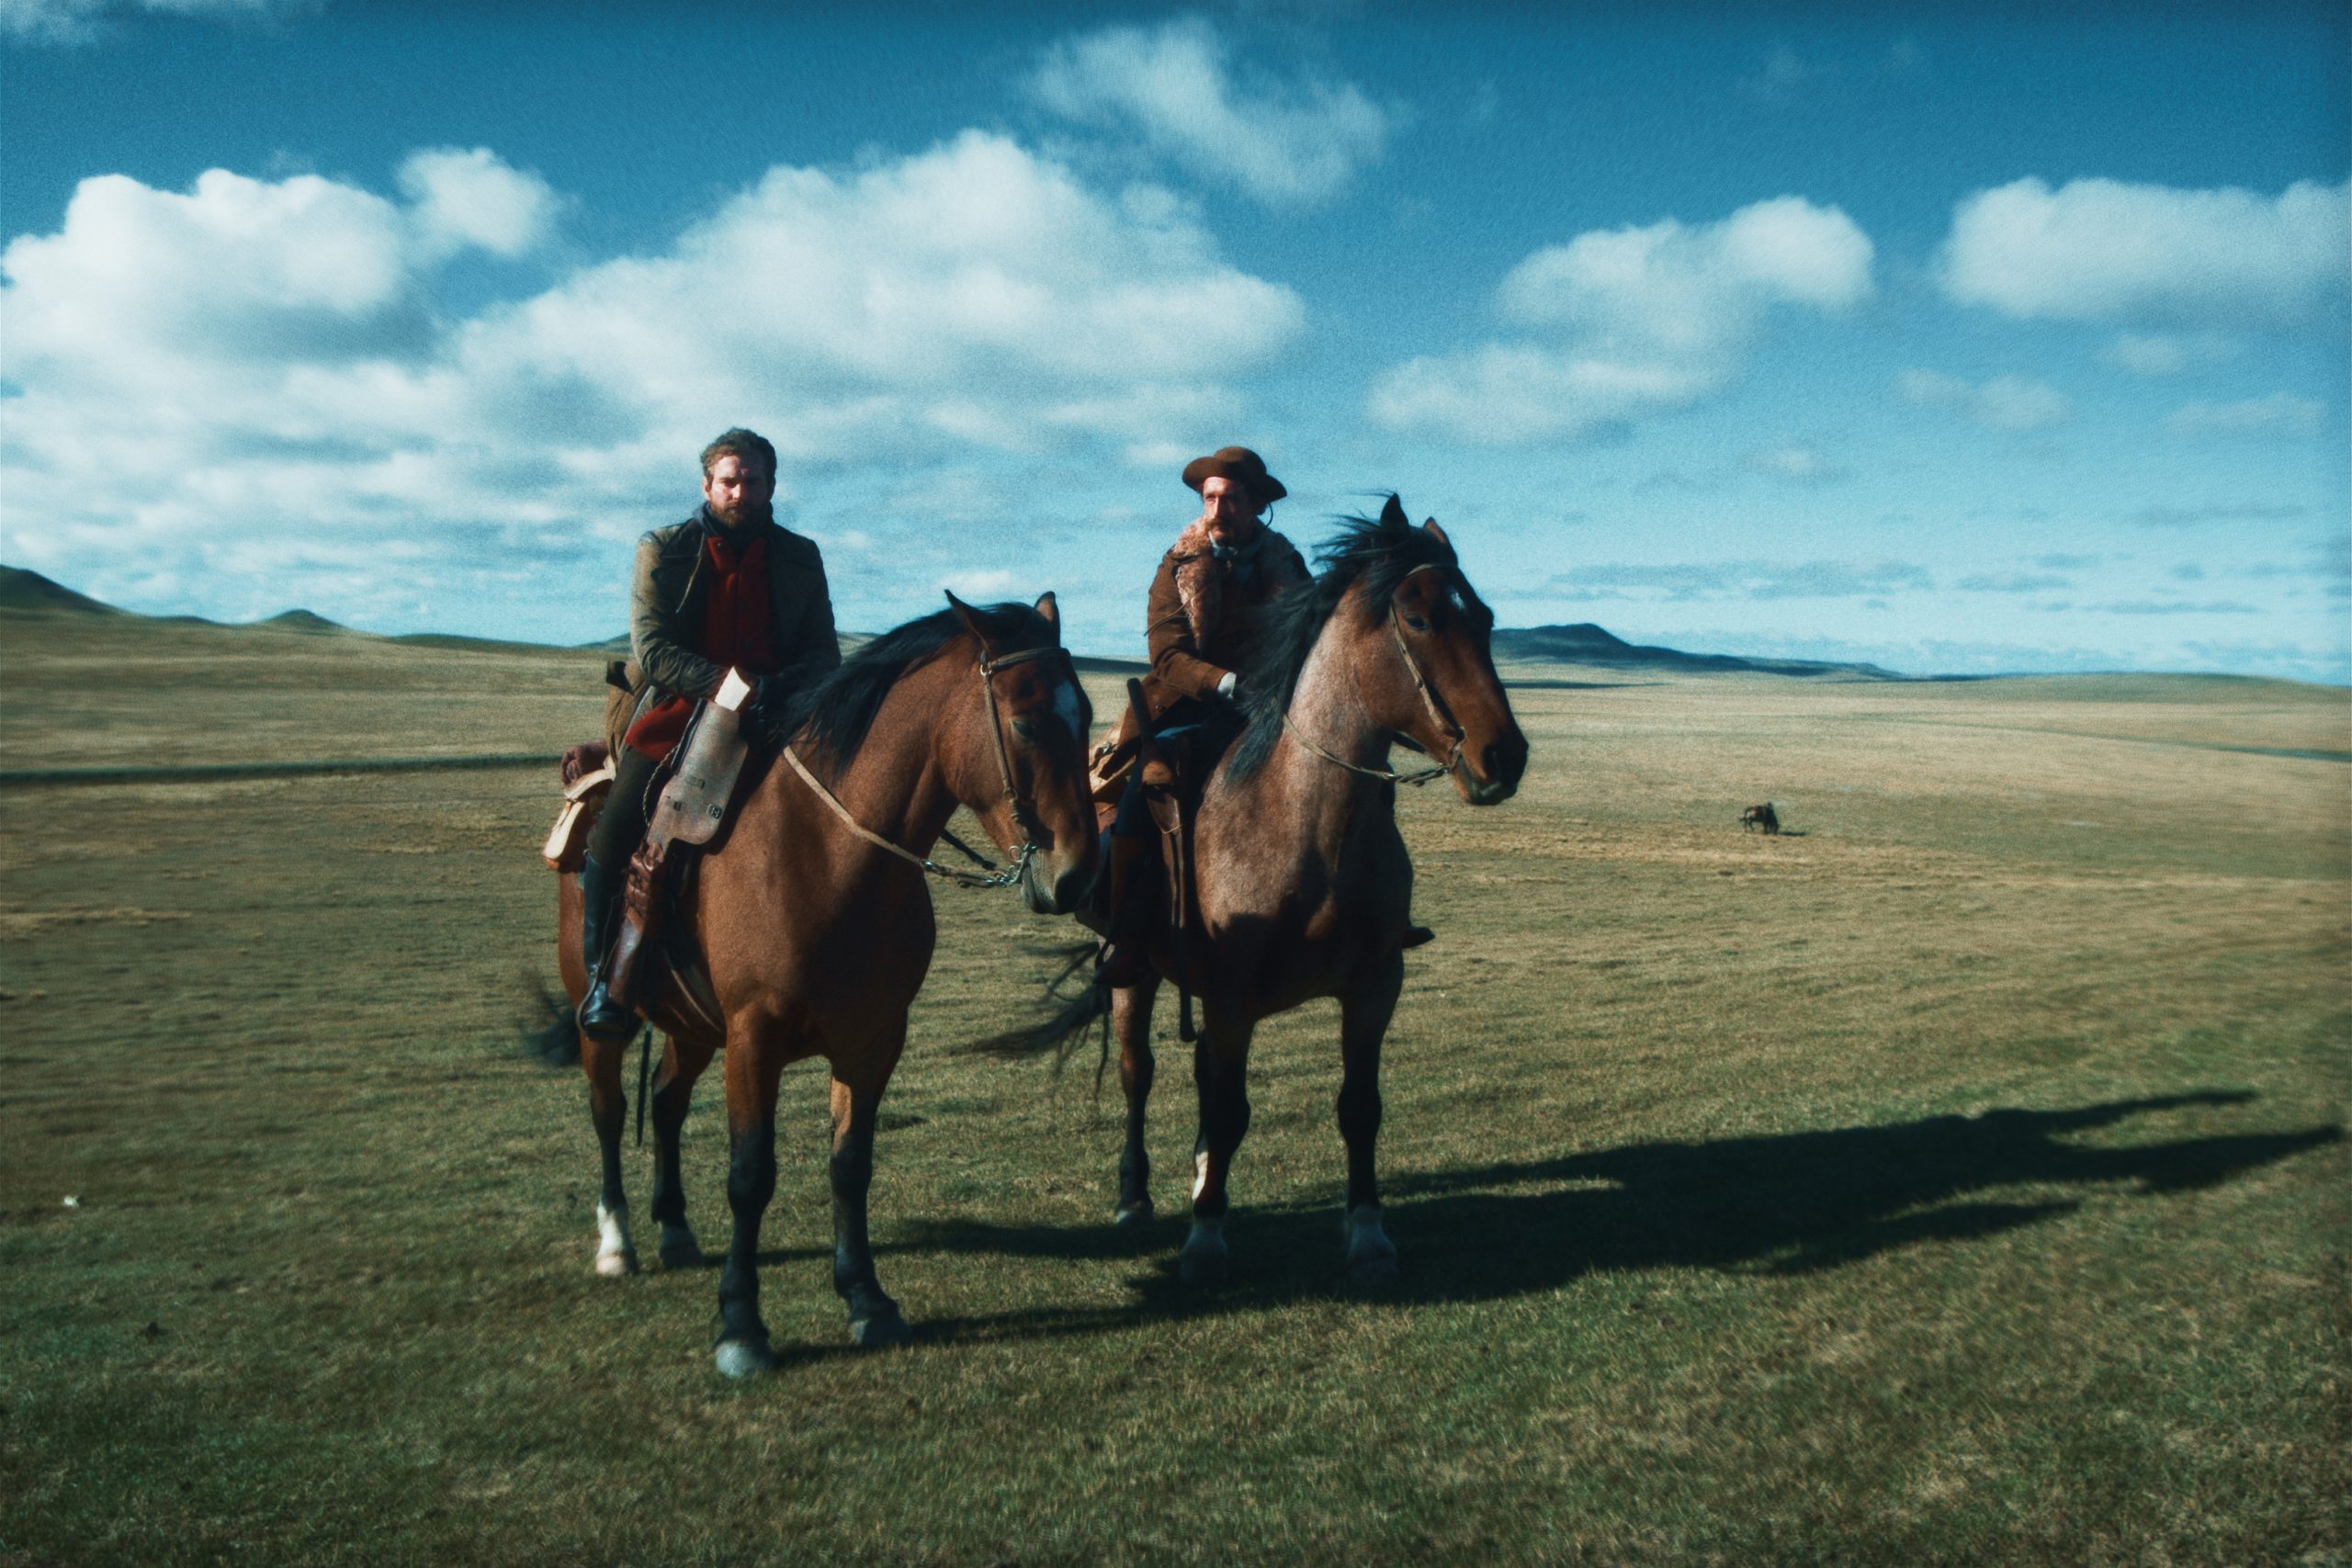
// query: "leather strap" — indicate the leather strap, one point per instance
point(1438, 714)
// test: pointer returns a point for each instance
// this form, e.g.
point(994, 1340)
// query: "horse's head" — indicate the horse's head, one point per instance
point(1022, 763)
point(1425, 665)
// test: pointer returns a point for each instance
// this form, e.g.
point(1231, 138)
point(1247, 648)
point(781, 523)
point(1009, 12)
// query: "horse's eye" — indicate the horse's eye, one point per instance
point(1026, 729)
point(1418, 624)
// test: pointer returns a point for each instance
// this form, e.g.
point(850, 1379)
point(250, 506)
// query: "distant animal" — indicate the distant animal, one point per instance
point(1760, 817)
point(816, 922)
point(1302, 879)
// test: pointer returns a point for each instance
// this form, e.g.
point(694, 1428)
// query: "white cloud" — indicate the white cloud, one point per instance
point(236, 267)
point(2005, 402)
point(283, 352)
point(2171, 514)
point(2013, 583)
point(466, 199)
point(2167, 353)
point(1797, 463)
point(1179, 87)
point(2105, 250)
point(78, 21)
point(1647, 319)
point(1761, 580)
point(2280, 413)
point(1505, 394)
point(981, 586)
point(1680, 285)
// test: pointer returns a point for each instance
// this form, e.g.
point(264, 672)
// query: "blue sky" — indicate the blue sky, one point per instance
point(1957, 339)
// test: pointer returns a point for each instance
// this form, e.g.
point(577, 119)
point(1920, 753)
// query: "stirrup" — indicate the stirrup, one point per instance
point(603, 1020)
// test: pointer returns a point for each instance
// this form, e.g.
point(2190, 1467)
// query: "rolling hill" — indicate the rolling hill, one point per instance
point(1584, 643)
point(28, 592)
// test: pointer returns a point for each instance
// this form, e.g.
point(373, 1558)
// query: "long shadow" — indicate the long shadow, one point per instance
point(1787, 1203)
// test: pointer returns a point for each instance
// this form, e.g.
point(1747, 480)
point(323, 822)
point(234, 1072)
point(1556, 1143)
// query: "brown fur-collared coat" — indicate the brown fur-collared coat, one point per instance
point(1194, 611)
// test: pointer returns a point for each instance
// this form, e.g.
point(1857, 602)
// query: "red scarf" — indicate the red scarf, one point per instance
point(735, 632)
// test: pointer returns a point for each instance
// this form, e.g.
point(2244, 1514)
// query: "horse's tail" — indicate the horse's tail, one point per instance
point(1060, 1031)
point(548, 1032)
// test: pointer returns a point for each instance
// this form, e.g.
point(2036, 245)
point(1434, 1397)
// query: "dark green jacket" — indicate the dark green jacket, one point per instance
point(666, 599)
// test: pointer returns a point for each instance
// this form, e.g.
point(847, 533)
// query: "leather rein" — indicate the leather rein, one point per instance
point(1024, 812)
point(1442, 716)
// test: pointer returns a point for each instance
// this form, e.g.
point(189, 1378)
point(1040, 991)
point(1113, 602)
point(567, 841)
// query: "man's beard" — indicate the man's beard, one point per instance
point(745, 514)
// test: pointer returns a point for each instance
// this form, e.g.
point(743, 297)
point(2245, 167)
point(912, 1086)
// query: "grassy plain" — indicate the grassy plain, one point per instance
point(1957, 1180)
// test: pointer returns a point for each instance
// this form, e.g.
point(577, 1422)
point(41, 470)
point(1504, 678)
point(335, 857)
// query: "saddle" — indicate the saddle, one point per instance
point(1171, 768)
point(698, 784)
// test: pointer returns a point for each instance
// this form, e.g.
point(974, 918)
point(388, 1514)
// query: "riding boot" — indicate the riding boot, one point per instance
point(1416, 936)
point(601, 1018)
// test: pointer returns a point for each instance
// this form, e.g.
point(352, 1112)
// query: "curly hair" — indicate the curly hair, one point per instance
point(741, 444)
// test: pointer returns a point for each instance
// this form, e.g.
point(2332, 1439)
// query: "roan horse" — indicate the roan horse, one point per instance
point(1303, 884)
point(816, 936)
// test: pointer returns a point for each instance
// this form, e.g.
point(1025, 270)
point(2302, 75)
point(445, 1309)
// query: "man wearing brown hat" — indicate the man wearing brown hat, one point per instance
point(1224, 566)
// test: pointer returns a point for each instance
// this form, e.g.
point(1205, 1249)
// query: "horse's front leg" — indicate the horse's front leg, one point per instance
point(1131, 1022)
point(608, 1110)
point(874, 1317)
point(1365, 1012)
point(673, 1089)
point(754, 1062)
point(1220, 1073)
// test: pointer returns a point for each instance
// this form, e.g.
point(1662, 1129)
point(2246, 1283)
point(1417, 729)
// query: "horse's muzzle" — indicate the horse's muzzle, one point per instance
point(1500, 767)
point(1056, 893)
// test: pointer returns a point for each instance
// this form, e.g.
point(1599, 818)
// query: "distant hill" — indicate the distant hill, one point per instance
point(30, 592)
point(304, 621)
point(1584, 643)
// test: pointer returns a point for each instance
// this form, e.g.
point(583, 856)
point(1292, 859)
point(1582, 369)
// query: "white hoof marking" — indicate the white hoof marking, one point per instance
point(615, 1255)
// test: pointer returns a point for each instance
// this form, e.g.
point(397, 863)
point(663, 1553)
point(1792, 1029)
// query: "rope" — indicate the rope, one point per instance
point(1420, 777)
point(1004, 878)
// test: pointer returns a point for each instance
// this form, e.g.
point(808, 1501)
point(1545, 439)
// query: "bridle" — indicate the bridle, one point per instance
point(1025, 812)
point(1440, 715)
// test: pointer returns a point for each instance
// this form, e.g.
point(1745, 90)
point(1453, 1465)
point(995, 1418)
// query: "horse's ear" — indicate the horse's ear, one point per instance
point(1434, 532)
point(1051, 611)
point(963, 614)
point(1393, 514)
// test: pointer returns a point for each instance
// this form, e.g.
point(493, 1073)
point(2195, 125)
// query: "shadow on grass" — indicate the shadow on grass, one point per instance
point(1788, 1203)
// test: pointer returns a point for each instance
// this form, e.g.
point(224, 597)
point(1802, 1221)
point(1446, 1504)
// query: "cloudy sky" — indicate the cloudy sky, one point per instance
point(1959, 339)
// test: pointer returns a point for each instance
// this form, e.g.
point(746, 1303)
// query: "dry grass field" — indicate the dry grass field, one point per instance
point(1958, 1177)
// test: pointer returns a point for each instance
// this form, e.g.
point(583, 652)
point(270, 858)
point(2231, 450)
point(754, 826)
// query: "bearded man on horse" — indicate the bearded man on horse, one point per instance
point(728, 588)
point(1212, 586)
point(1225, 566)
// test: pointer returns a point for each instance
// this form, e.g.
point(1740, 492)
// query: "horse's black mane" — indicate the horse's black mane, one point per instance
point(1375, 551)
point(829, 720)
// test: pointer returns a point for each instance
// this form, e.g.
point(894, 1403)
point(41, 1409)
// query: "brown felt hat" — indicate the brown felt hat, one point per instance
point(1235, 463)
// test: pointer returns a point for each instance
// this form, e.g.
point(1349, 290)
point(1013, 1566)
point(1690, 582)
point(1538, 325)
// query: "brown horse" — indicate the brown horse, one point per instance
point(1303, 881)
point(1760, 817)
point(815, 923)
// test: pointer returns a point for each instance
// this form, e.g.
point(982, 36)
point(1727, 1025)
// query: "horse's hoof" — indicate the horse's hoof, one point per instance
point(744, 1358)
point(617, 1265)
point(678, 1248)
point(1202, 1264)
point(1133, 1216)
point(1371, 1257)
point(881, 1331)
